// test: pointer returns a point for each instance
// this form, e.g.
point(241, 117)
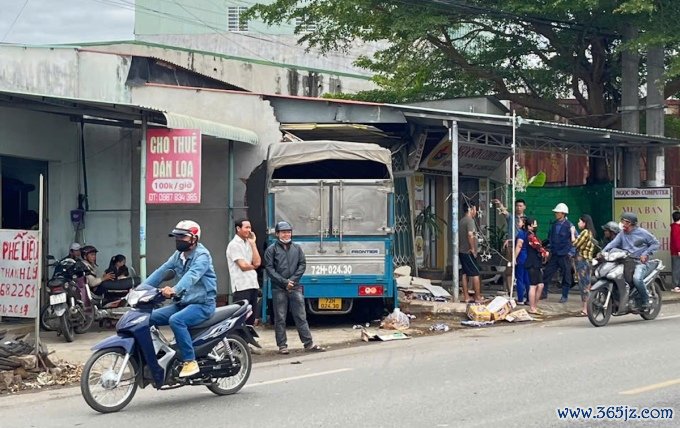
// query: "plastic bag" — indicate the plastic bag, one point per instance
point(397, 320)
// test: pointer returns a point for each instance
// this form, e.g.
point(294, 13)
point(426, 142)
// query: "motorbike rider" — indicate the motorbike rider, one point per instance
point(640, 244)
point(196, 287)
point(610, 230)
point(74, 251)
point(89, 261)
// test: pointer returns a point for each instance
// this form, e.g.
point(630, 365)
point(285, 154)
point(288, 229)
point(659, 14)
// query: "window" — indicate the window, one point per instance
point(305, 25)
point(234, 22)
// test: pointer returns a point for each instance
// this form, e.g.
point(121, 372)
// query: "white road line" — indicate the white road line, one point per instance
point(651, 387)
point(669, 317)
point(287, 379)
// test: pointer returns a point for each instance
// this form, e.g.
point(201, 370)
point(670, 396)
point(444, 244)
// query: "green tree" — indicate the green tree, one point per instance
point(532, 52)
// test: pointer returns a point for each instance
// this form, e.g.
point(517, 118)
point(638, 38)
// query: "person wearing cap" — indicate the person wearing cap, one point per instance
point(610, 230)
point(285, 264)
point(195, 287)
point(74, 251)
point(562, 234)
point(89, 253)
point(640, 245)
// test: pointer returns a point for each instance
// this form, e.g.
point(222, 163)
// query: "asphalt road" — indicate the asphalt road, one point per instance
point(513, 376)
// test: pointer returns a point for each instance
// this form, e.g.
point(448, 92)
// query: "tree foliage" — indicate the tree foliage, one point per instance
point(532, 52)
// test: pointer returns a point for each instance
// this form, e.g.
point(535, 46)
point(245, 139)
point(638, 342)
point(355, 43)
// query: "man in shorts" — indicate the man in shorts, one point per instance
point(467, 246)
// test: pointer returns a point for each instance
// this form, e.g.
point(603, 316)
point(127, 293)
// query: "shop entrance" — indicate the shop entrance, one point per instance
point(20, 200)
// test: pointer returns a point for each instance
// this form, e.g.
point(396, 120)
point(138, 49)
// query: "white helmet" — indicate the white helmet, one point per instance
point(561, 208)
point(186, 228)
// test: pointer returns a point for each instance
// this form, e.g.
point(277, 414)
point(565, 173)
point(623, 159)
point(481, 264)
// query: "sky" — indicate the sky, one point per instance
point(65, 21)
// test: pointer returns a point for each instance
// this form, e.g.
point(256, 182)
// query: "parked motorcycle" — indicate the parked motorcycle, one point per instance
point(139, 355)
point(106, 307)
point(66, 312)
point(612, 295)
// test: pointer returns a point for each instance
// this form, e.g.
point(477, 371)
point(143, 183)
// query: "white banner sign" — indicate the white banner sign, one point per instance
point(19, 273)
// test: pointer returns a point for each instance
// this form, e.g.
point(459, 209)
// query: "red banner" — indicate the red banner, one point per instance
point(173, 166)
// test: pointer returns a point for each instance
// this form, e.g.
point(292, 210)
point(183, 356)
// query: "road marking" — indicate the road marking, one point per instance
point(651, 387)
point(670, 317)
point(287, 379)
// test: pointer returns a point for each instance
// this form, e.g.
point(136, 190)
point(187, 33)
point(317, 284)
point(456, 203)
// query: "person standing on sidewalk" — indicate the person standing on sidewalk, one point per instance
point(536, 256)
point(467, 247)
point(675, 251)
point(520, 208)
point(585, 247)
point(285, 263)
point(562, 233)
point(521, 273)
point(243, 260)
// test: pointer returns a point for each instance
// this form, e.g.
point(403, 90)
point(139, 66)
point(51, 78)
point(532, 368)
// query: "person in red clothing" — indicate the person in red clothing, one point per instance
point(675, 251)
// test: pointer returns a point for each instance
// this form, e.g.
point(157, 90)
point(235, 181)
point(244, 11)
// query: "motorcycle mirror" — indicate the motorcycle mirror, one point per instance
point(169, 274)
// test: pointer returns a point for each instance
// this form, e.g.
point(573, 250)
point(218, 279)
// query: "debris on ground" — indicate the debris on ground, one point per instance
point(21, 368)
point(470, 323)
point(396, 320)
point(440, 327)
point(416, 288)
point(369, 337)
point(519, 316)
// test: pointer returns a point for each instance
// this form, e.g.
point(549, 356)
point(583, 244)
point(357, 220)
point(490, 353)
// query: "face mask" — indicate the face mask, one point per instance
point(182, 246)
point(285, 241)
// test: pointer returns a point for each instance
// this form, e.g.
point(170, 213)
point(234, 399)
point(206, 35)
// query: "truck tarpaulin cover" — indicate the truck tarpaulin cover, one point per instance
point(287, 154)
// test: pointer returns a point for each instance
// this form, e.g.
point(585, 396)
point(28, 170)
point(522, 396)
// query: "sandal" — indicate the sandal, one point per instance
point(284, 351)
point(536, 312)
point(676, 290)
point(315, 348)
point(583, 314)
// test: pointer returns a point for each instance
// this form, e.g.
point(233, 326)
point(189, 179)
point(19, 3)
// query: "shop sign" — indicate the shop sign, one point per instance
point(19, 273)
point(173, 166)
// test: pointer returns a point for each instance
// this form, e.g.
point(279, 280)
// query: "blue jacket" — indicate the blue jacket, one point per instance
point(639, 242)
point(560, 238)
point(195, 280)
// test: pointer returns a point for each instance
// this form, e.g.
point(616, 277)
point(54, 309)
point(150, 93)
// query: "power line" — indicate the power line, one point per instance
point(16, 18)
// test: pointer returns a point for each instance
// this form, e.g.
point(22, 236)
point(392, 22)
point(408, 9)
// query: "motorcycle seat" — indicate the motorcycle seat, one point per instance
point(220, 314)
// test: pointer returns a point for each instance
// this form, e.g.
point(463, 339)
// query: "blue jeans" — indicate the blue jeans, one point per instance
point(295, 301)
point(180, 318)
point(641, 271)
point(555, 263)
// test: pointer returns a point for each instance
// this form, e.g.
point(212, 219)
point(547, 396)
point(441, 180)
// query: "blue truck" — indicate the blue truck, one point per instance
point(339, 197)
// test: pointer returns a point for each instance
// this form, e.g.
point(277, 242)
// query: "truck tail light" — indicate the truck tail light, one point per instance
point(371, 290)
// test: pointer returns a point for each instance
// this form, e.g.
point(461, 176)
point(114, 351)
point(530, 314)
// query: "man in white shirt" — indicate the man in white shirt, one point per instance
point(243, 259)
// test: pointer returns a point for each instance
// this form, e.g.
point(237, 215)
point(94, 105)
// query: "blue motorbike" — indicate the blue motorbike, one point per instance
point(139, 355)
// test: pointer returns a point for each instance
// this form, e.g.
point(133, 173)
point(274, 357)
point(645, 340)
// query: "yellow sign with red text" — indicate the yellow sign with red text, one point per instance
point(654, 211)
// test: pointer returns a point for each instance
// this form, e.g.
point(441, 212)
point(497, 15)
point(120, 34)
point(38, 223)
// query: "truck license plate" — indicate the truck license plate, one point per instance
point(55, 299)
point(330, 304)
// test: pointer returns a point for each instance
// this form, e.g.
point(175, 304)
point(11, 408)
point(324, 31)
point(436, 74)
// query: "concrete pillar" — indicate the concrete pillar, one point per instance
point(656, 173)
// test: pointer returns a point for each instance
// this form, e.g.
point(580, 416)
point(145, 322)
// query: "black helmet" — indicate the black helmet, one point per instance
point(283, 225)
point(631, 217)
point(88, 249)
point(612, 226)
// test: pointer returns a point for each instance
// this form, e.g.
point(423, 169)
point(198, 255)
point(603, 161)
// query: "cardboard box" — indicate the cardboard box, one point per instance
point(478, 313)
point(500, 307)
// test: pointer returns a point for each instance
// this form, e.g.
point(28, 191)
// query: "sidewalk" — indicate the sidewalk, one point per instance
point(333, 337)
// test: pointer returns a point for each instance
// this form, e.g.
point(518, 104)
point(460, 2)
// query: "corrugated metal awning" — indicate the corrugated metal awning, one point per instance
point(113, 111)
point(207, 127)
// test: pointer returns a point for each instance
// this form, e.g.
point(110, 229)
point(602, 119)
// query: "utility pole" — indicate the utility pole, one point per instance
point(656, 173)
point(630, 112)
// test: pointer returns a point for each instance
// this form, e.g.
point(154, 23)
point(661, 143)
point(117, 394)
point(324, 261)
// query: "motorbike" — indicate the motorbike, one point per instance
point(611, 294)
point(139, 355)
point(106, 308)
point(66, 312)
